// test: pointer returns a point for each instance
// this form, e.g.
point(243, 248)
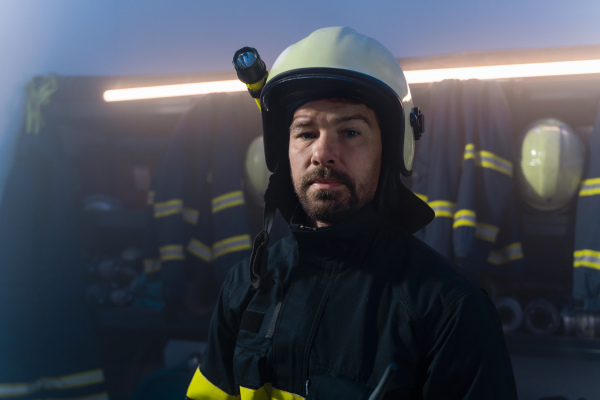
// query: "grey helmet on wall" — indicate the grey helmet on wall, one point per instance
point(338, 62)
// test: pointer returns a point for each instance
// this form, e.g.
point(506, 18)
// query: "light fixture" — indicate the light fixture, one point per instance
point(186, 89)
point(505, 71)
point(561, 68)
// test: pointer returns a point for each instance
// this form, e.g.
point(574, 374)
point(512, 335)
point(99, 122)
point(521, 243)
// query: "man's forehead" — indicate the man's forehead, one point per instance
point(341, 108)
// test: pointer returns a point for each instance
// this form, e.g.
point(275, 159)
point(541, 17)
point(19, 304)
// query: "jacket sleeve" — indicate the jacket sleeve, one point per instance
point(214, 379)
point(467, 357)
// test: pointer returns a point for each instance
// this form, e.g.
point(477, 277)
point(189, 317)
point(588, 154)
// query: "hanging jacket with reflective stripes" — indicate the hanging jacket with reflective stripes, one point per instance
point(47, 345)
point(344, 303)
point(586, 258)
point(200, 223)
point(464, 170)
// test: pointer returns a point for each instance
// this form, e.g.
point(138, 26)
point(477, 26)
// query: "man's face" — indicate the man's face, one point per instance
point(335, 158)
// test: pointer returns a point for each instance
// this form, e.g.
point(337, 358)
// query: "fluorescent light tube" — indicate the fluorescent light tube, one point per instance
point(417, 76)
point(505, 71)
point(186, 89)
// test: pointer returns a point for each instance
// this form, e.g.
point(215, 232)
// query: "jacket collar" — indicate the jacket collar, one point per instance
point(338, 242)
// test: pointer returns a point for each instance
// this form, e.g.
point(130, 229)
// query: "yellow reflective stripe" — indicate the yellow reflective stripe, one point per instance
point(150, 197)
point(230, 245)
point(262, 393)
point(227, 200)
point(483, 231)
point(486, 232)
point(151, 265)
point(510, 253)
point(266, 392)
point(202, 389)
point(175, 206)
point(443, 208)
point(586, 258)
point(81, 379)
point(464, 218)
point(220, 248)
point(487, 159)
point(166, 208)
point(97, 396)
point(199, 249)
point(590, 187)
point(171, 252)
point(190, 215)
point(422, 197)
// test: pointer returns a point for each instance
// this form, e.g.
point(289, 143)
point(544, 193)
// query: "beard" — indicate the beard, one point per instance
point(328, 206)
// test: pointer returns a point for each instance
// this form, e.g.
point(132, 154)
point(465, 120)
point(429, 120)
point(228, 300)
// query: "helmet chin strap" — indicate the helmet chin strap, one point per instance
point(260, 247)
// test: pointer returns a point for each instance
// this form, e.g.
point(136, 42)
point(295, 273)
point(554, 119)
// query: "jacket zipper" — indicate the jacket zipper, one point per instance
point(316, 319)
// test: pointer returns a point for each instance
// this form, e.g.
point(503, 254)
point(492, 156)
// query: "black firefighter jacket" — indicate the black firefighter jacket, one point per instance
point(346, 302)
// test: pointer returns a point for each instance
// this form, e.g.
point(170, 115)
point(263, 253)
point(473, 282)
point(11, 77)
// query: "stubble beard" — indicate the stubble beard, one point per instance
point(328, 206)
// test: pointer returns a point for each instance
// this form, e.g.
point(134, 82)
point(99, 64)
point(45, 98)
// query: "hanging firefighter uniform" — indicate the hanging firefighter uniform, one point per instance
point(47, 345)
point(586, 272)
point(200, 226)
point(464, 171)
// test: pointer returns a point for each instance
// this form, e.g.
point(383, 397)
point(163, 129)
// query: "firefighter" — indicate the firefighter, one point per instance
point(350, 305)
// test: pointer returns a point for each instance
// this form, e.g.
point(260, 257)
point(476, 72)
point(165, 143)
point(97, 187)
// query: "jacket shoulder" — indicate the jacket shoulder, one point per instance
point(282, 255)
point(429, 283)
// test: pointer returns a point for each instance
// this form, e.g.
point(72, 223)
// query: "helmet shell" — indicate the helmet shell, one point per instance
point(339, 62)
point(257, 174)
point(551, 165)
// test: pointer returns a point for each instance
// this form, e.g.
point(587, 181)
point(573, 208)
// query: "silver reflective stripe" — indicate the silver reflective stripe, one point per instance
point(200, 250)
point(62, 382)
point(229, 245)
point(166, 208)
point(464, 218)
point(171, 252)
point(151, 265)
point(486, 232)
point(227, 200)
point(150, 197)
point(98, 396)
point(509, 253)
point(190, 215)
point(586, 258)
point(487, 159)
point(443, 208)
point(590, 187)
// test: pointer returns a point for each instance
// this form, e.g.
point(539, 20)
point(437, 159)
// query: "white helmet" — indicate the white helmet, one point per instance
point(551, 165)
point(340, 62)
point(257, 174)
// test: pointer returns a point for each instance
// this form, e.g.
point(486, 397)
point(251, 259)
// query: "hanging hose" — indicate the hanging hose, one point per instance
point(510, 312)
point(542, 317)
point(582, 323)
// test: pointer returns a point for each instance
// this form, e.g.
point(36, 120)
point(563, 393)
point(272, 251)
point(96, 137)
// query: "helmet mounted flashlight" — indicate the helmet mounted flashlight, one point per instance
point(251, 70)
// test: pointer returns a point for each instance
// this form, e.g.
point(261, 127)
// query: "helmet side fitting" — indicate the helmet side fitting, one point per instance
point(339, 62)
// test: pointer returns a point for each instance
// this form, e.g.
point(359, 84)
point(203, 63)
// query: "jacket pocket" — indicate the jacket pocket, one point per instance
point(249, 365)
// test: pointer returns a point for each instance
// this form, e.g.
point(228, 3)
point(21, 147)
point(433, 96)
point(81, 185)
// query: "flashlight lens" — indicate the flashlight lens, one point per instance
point(246, 60)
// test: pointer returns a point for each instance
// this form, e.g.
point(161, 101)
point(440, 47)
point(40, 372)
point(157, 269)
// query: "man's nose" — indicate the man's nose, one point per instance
point(325, 150)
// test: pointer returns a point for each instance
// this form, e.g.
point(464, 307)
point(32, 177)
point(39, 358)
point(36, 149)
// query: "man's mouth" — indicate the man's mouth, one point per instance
point(326, 179)
point(325, 183)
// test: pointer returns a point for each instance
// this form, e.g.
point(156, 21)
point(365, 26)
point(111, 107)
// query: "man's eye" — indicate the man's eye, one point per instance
point(306, 135)
point(350, 133)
